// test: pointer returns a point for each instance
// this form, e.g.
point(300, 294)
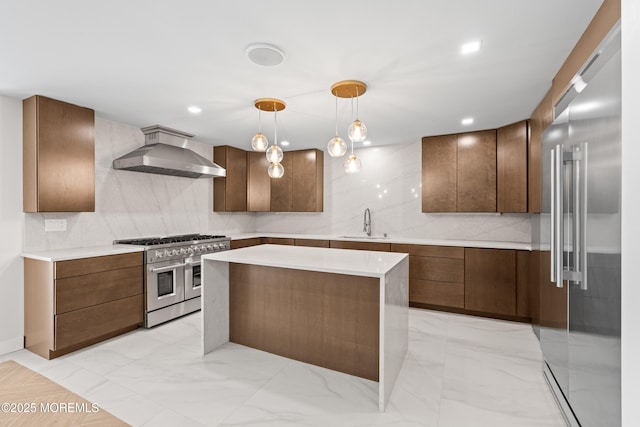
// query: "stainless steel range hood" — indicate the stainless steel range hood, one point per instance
point(165, 152)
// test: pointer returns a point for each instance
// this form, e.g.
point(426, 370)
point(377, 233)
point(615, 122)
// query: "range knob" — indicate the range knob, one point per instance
point(190, 250)
point(209, 247)
point(159, 254)
point(167, 253)
point(216, 246)
point(196, 248)
point(183, 251)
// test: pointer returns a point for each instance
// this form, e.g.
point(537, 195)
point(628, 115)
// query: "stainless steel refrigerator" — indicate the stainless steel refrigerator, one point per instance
point(579, 236)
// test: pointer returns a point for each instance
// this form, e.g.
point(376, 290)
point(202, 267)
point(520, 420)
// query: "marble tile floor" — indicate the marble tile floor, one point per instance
point(460, 371)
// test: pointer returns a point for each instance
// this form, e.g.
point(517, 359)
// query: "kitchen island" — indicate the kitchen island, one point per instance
point(344, 310)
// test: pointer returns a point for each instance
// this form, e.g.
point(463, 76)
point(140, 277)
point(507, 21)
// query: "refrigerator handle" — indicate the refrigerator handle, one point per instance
point(582, 190)
point(557, 212)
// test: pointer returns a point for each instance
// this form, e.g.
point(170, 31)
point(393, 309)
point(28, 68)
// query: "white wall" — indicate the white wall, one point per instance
point(11, 226)
point(389, 184)
point(134, 204)
point(630, 209)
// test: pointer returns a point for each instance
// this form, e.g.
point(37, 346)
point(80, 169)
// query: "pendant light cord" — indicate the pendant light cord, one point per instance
point(259, 120)
point(336, 116)
point(275, 122)
point(357, 104)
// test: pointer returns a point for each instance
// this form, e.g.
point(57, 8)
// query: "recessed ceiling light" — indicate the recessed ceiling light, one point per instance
point(284, 143)
point(367, 142)
point(471, 47)
point(265, 54)
point(194, 109)
point(467, 121)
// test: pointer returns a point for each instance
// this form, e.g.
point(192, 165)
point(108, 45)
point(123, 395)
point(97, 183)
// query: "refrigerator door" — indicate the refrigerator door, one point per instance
point(580, 225)
point(595, 305)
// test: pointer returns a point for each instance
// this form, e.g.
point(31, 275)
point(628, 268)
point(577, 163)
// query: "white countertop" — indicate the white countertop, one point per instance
point(85, 252)
point(402, 240)
point(340, 261)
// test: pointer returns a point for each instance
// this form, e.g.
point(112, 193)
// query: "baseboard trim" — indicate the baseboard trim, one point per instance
point(11, 345)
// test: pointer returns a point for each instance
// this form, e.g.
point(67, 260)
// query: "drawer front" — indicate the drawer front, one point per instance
point(88, 323)
point(429, 251)
point(438, 269)
point(81, 266)
point(363, 246)
point(74, 293)
point(436, 293)
point(277, 241)
point(313, 243)
point(244, 243)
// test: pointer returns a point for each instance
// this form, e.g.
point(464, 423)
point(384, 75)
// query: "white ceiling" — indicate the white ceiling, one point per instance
point(143, 62)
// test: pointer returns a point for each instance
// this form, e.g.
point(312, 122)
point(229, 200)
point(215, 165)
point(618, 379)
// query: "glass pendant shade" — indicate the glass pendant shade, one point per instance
point(351, 164)
point(337, 147)
point(259, 142)
point(274, 154)
point(357, 131)
point(275, 170)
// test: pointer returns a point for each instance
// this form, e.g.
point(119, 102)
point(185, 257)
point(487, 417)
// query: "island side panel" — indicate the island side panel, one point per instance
point(326, 319)
point(394, 343)
point(215, 304)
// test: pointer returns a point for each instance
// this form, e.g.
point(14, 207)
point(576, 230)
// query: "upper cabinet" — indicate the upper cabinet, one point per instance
point(512, 167)
point(248, 187)
point(477, 171)
point(58, 156)
point(307, 171)
point(230, 192)
point(258, 183)
point(484, 171)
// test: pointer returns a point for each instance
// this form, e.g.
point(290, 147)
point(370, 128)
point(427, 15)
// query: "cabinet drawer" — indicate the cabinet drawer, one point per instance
point(312, 242)
point(79, 267)
point(78, 292)
point(438, 269)
point(88, 323)
point(436, 293)
point(429, 251)
point(363, 246)
point(277, 241)
point(243, 243)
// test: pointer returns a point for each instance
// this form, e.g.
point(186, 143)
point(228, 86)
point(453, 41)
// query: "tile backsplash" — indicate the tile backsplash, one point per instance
point(134, 204)
point(389, 184)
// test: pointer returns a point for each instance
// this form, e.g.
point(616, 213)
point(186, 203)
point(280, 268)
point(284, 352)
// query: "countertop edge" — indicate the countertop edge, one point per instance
point(81, 252)
point(487, 244)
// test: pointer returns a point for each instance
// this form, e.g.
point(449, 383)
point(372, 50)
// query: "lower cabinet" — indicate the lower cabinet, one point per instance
point(490, 281)
point(243, 243)
point(363, 246)
point(76, 303)
point(436, 274)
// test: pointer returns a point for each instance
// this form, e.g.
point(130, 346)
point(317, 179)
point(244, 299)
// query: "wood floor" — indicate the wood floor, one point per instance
point(30, 399)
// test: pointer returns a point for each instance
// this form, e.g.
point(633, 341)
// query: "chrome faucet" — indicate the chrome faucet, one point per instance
point(367, 222)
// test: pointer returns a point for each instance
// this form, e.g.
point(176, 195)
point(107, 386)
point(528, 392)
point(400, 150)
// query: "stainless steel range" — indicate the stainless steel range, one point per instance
point(172, 273)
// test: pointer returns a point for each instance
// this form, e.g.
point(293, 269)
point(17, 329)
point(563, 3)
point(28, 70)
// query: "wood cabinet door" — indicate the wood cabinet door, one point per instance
point(258, 183)
point(439, 176)
point(59, 151)
point(308, 177)
point(230, 192)
point(512, 167)
point(490, 280)
point(282, 188)
point(476, 174)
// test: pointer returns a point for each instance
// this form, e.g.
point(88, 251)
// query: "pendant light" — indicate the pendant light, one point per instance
point(274, 153)
point(259, 141)
point(337, 147)
point(357, 130)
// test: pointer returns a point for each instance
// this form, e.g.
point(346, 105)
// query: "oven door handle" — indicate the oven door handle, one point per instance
point(170, 267)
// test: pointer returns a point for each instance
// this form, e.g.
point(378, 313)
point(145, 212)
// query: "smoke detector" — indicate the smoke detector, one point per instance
point(265, 54)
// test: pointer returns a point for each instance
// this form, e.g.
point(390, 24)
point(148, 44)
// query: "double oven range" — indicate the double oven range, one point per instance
point(172, 277)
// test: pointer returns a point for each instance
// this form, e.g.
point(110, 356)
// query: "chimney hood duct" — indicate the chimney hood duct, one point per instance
point(165, 153)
